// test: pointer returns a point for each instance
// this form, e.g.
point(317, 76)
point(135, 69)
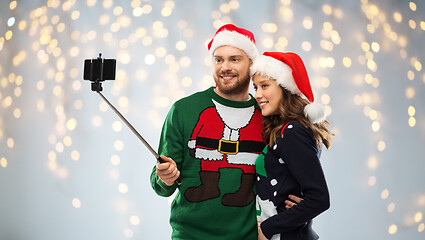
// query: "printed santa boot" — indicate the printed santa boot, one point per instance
point(207, 190)
point(244, 195)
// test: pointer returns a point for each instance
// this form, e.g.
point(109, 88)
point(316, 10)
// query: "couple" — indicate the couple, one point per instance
point(215, 140)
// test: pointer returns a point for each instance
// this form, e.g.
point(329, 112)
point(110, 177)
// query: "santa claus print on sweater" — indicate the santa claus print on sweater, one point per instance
point(226, 137)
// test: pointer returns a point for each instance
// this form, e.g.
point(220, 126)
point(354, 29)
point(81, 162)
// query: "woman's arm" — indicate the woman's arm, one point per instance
point(300, 152)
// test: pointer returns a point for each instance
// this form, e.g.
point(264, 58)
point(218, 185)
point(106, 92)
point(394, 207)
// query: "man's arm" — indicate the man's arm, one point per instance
point(163, 175)
point(293, 200)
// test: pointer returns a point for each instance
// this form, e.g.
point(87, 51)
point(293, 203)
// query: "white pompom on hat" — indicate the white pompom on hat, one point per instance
point(289, 72)
point(230, 35)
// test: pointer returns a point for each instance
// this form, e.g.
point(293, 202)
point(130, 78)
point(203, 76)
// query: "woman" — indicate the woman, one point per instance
point(294, 129)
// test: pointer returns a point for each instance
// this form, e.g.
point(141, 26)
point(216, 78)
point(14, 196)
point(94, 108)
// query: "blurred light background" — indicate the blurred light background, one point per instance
point(70, 169)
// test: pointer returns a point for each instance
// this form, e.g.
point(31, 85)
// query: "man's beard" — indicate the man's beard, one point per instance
point(240, 86)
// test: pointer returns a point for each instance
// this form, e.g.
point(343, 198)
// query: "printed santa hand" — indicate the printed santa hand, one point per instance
point(167, 171)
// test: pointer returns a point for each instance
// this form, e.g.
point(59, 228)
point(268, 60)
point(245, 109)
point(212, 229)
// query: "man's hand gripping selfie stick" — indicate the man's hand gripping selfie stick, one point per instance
point(99, 70)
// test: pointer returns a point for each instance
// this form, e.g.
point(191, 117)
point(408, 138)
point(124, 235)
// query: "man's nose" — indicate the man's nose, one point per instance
point(226, 66)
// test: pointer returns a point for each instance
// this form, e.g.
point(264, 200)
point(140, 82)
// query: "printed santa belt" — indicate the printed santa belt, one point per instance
point(230, 147)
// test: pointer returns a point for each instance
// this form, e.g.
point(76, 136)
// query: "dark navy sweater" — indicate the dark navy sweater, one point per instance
point(290, 166)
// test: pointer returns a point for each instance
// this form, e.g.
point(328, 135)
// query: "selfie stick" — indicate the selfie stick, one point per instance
point(96, 85)
point(155, 154)
point(131, 128)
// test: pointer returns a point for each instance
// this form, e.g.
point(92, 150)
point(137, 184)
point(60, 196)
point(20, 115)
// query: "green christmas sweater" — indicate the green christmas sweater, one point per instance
point(215, 143)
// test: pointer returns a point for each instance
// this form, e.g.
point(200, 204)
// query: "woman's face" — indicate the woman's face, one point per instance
point(268, 94)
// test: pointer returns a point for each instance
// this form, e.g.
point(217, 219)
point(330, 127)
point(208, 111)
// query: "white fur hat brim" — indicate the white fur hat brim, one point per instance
point(282, 73)
point(279, 71)
point(234, 39)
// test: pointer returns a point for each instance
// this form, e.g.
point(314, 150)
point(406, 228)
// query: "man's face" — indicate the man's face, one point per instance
point(231, 70)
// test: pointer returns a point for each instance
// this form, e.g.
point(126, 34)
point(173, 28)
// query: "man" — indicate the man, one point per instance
point(213, 138)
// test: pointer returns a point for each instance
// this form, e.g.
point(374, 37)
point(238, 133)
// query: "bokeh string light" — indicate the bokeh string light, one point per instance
point(157, 46)
point(381, 21)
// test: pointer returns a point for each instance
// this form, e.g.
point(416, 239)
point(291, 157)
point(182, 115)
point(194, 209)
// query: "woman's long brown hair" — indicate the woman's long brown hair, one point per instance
point(292, 108)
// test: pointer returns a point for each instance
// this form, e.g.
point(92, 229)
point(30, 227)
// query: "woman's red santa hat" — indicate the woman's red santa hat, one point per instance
point(230, 35)
point(289, 72)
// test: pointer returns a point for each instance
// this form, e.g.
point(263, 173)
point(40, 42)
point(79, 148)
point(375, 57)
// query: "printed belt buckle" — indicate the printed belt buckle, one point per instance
point(225, 144)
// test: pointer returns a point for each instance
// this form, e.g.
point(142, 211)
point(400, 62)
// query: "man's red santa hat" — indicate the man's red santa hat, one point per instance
point(289, 72)
point(230, 35)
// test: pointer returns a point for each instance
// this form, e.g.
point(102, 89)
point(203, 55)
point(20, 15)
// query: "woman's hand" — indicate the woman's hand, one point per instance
point(294, 200)
point(261, 235)
point(167, 171)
